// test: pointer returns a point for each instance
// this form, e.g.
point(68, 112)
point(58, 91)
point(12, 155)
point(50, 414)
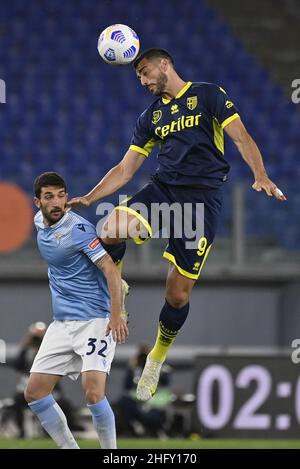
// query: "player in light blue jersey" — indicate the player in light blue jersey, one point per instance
point(86, 292)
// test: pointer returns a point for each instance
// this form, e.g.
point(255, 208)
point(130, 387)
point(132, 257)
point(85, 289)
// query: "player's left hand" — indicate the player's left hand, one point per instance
point(118, 328)
point(78, 202)
point(269, 187)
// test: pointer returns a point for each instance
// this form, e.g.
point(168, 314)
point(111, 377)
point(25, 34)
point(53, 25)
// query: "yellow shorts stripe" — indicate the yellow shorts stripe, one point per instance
point(140, 218)
point(204, 259)
point(183, 272)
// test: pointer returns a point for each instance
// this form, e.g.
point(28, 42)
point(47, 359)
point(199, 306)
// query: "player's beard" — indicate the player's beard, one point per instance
point(53, 216)
point(161, 84)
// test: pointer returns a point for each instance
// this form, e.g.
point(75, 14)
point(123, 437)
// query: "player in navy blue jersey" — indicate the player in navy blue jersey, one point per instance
point(85, 287)
point(186, 121)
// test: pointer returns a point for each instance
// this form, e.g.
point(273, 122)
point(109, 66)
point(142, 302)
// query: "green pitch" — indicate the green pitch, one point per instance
point(158, 444)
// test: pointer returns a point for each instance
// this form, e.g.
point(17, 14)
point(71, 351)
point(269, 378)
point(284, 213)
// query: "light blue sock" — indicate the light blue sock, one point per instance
point(104, 423)
point(54, 421)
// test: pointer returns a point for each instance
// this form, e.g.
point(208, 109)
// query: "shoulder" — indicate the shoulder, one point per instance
point(80, 227)
point(76, 219)
point(149, 110)
point(207, 87)
point(80, 224)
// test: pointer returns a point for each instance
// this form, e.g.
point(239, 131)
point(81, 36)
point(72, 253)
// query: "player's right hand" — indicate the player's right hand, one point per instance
point(269, 187)
point(78, 201)
point(118, 328)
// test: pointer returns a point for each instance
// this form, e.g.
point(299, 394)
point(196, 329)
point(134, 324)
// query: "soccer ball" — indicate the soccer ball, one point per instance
point(118, 44)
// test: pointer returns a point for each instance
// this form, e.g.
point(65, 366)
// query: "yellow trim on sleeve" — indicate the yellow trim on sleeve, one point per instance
point(181, 93)
point(139, 150)
point(172, 259)
point(229, 119)
point(146, 150)
point(140, 218)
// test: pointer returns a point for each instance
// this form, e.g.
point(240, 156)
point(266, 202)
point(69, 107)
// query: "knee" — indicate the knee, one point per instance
point(31, 394)
point(177, 298)
point(93, 396)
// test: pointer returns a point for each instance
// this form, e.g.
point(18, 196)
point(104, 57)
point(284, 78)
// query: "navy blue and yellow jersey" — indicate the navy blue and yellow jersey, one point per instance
point(189, 132)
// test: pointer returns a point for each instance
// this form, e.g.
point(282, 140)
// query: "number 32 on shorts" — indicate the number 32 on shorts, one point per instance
point(92, 343)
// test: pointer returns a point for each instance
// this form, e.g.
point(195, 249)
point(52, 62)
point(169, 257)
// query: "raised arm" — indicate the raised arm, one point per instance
point(117, 326)
point(116, 178)
point(251, 154)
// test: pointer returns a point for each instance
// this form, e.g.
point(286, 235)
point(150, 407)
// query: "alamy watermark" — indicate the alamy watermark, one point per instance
point(296, 353)
point(160, 220)
point(2, 351)
point(296, 93)
point(2, 92)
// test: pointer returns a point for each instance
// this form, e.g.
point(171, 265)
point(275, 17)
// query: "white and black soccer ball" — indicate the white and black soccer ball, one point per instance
point(118, 44)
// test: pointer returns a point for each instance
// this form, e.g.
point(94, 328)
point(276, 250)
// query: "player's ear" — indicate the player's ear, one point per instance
point(37, 202)
point(164, 63)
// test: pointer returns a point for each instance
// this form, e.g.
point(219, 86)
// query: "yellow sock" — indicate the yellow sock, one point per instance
point(164, 341)
point(120, 266)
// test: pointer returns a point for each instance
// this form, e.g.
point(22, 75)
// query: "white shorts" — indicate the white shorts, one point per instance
point(71, 347)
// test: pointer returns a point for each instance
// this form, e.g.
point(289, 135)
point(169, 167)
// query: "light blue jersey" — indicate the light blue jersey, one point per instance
point(71, 247)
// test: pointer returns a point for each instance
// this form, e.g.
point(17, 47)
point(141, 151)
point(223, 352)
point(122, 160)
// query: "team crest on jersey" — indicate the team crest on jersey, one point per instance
point(156, 116)
point(229, 104)
point(192, 102)
point(174, 109)
point(58, 237)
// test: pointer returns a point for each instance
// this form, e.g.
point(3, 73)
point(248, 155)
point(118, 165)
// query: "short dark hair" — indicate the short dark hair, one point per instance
point(153, 54)
point(48, 179)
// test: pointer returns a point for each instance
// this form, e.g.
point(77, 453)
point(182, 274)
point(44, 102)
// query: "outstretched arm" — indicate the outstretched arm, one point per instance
point(116, 178)
point(251, 154)
point(117, 326)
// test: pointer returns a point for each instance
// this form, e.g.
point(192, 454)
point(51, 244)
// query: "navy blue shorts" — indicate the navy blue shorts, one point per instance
point(186, 216)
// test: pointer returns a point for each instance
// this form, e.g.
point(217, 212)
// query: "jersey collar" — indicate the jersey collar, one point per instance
point(181, 93)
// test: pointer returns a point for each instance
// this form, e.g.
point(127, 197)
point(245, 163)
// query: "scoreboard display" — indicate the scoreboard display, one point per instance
point(247, 397)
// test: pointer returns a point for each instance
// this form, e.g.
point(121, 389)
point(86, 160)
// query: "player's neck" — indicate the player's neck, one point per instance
point(173, 88)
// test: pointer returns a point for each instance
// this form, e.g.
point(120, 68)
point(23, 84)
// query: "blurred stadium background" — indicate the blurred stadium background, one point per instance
point(68, 111)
